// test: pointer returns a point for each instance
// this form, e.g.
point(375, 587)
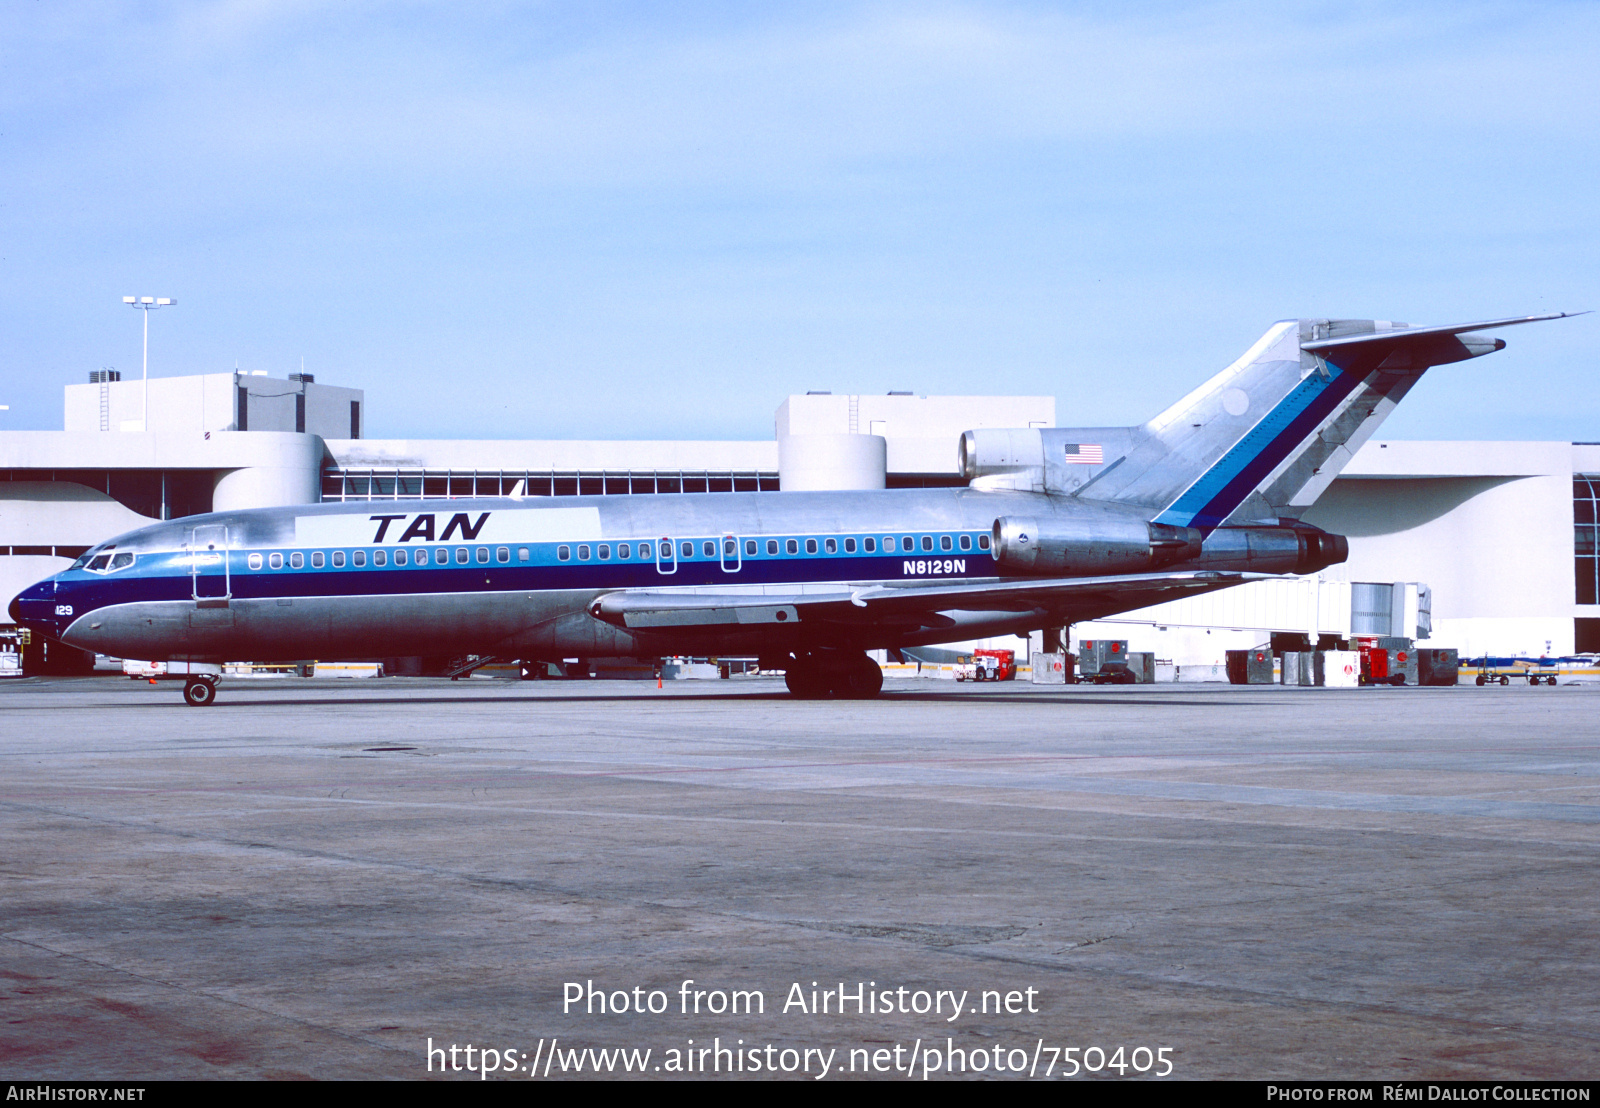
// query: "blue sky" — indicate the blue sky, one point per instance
point(617, 220)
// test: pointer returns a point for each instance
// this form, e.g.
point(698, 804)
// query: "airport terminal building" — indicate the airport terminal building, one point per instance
point(1487, 547)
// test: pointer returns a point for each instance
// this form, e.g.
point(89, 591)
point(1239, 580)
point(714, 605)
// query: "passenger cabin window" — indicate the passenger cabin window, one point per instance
point(966, 542)
point(944, 542)
point(563, 553)
point(623, 551)
point(583, 552)
point(750, 547)
point(483, 555)
point(849, 546)
point(772, 546)
point(399, 558)
point(359, 557)
point(275, 561)
point(461, 555)
point(708, 548)
point(338, 559)
point(983, 542)
point(927, 542)
point(664, 553)
point(380, 557)
point(687, 550)
point(888, 544)
point(870, 545)
point(255, 561)
point(811, 546)
point(792, 546)
point(831, 546)
point(502, 554)
point(522, 553)
point(297, 560)
point(317, 559)
point(605, 552)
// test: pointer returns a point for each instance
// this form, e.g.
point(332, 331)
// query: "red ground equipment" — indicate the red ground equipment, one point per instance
point(994, 665)
point(1383, 665)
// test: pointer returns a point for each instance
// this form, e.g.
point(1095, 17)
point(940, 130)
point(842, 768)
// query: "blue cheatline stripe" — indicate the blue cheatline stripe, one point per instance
point(1223, 487)
point(166, 576)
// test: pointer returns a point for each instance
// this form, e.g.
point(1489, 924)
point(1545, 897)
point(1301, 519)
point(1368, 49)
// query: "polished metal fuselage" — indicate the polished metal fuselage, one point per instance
point(176, 601)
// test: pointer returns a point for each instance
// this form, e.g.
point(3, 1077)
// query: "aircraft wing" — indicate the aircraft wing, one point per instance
point(651, 610)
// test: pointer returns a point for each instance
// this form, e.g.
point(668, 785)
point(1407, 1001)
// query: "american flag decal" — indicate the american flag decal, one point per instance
point(1084, 454)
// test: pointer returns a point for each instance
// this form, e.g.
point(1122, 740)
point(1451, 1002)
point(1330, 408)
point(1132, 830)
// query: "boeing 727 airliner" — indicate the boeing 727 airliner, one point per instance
point(1056, 526)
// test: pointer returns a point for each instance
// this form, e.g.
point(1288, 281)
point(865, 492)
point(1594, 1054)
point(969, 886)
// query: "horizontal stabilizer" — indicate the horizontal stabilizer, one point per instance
point(1404, 335)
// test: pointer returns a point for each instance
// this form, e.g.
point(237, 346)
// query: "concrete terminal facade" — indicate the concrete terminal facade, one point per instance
point(1496, 531)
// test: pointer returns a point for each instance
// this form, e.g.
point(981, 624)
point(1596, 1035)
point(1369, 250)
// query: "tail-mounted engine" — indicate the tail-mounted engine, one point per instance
point(1302, 549)
point(1097, 544)
point(1090, 546)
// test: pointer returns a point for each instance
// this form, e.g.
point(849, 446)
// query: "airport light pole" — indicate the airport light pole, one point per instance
point(147, 304)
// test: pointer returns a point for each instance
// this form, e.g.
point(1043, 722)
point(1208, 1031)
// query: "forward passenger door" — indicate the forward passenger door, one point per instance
point(208, 551)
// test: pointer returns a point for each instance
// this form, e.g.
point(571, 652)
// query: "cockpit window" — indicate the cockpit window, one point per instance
point(109, 563)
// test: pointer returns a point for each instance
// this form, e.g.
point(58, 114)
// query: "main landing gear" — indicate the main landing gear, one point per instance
point(837, 673)
point(200, 692)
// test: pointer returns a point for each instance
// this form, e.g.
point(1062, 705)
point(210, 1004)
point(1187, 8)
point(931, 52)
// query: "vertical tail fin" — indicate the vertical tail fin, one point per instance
point(1262, 439)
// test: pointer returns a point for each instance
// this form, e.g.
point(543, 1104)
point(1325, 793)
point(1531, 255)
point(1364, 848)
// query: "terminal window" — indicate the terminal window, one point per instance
point(1585, 549)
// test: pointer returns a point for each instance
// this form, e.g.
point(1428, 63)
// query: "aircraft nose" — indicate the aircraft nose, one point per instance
point(34, 607)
